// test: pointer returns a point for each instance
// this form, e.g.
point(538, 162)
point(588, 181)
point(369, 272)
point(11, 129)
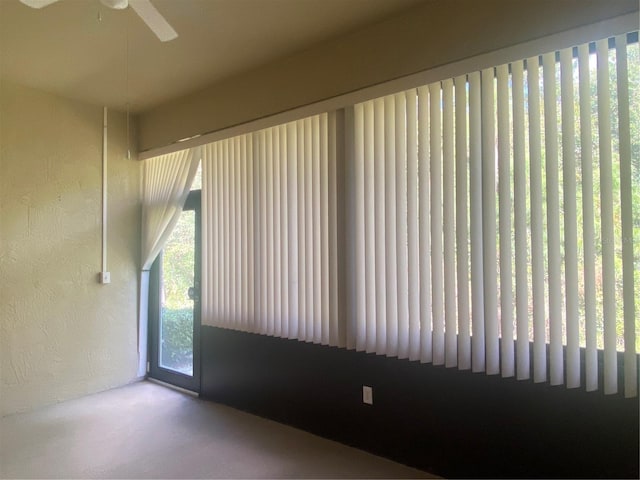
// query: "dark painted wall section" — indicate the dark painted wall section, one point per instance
point(452, 423)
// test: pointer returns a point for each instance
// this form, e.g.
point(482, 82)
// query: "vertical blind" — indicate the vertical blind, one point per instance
point(270, 233)
point(490, 223)
point(494, 211)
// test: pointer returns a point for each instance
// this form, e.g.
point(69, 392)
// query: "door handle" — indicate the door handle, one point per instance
point(191, 293)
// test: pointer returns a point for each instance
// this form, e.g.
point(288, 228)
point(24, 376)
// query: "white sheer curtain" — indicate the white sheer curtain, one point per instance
point(166, 183)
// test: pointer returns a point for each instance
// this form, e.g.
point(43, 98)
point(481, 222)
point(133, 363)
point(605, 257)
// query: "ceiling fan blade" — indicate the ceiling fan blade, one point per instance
point(38, 3)
point(154, 19)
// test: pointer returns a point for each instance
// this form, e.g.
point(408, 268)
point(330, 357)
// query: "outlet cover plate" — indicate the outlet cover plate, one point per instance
point(367, 395)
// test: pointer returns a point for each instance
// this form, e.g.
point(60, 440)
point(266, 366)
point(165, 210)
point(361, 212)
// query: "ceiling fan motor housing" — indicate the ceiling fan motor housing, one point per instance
point(116, 4)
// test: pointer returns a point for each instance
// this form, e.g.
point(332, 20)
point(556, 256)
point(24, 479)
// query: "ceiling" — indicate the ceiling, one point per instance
point(83, 50)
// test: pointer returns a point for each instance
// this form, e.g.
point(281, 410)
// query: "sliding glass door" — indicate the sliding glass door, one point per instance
point(174, 303)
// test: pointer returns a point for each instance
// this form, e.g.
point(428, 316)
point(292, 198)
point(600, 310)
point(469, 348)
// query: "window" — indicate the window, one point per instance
point(270, 249)
point(497, 207)
point(489, 223)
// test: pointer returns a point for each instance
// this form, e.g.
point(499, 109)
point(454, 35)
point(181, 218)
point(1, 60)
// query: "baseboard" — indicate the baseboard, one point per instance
point(173, 387)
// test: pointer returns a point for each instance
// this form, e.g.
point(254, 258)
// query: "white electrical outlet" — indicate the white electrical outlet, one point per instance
point(105, 277)
point(367, 395)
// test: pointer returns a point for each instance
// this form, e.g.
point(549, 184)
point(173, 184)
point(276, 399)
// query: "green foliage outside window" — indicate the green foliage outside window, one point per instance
point(177, 334)
point(177, 309)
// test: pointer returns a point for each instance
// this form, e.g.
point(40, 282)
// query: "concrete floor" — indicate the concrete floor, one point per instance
point(145, 430)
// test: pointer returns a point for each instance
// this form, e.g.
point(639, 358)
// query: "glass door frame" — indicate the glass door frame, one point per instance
point(157, 372)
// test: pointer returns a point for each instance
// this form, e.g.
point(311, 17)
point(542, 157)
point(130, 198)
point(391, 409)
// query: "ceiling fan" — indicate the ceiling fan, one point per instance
point(144, 8)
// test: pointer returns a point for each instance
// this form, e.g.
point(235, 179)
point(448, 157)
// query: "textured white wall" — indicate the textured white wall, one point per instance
point(62, 334)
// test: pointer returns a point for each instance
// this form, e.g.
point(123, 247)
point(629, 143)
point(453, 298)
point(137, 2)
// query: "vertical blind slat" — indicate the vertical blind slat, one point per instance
point(284, 232)
point(489, 222)
point(271, 271)
point(380, 241)
point(217, 165)
point(520, 224)
point(537, 255)
point(401, 225)
point(424, 225)
point(507, 365)
point(231, 229)
point(221, 234)
point(230, 153)
point(451, 346)
point(360, 249)
point(244, 289)
point(553, 219)
point(251, 231)
point(237, 220)
point(334, 335)
point(317, 292)
point(308, 201)
point(478, 363)
point(217, 202)
point(606, 214)
point(390, 219)
point(256, 205)
point(294, 277)
point(324, 228)
point(217, 208)
point(369, 212)
point(413, 226)
point(588, 229)
point(462, 231)
point(238, 242)
point(570, 221)
point(626, 200)
point(210, 202)
point(276, 160)
point(435, 177)
point(265, 281)
point(226, 213)
point(302, 248)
